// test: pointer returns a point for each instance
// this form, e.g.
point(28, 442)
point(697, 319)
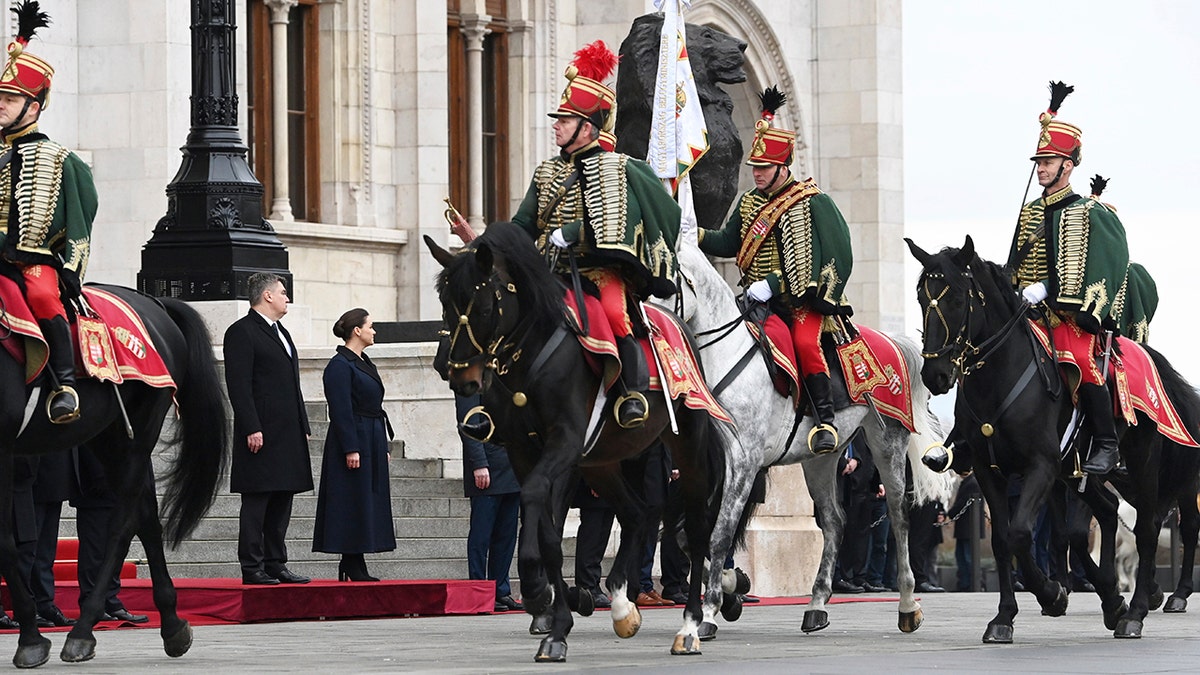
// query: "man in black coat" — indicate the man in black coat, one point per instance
point(262, 374)
point(491, 484)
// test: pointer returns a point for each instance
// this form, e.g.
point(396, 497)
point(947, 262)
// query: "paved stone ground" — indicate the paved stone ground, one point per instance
point(862, 638)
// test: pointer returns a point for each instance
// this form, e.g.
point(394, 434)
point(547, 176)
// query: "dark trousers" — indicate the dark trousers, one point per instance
point(878, 546)
point(923, 538)
point(595, 526)
point(852, 558)
point(92, 523)
point(41, 581)
point(262, 528)
point(493, 538)
point(675, 564)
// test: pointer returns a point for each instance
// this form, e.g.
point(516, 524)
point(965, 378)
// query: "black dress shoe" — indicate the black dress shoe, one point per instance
point(843, 586)
point(7, 622)
point(286, 576)
point(927, 587)
point(53, 618)
point(872, 588)
point(507, 604)
point(600, 600)
point(259, 578)
point(678, 597)
point(749, 599)
point(123, 614)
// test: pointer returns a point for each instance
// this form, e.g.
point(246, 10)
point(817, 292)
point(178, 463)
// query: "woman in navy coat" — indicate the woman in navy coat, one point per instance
point(354, 505)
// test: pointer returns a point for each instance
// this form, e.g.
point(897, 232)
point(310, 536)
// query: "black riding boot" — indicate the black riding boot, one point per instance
point(631, 408)
point(1097, 406)
point(823, 437)
point(62, 404)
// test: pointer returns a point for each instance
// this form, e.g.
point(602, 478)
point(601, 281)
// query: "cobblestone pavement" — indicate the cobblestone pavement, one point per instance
point(862, 638)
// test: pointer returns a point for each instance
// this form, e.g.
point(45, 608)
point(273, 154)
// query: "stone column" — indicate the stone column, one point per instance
point(281, 205)
point(474, 28)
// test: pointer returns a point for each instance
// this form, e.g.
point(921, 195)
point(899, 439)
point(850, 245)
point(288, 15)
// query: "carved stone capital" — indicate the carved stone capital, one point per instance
point(280, 9)
point(474, 28)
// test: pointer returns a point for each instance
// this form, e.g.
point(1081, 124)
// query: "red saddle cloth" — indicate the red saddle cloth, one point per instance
point(871, 364)
point(1138, 387)
point(681, 374)
point(114, 347)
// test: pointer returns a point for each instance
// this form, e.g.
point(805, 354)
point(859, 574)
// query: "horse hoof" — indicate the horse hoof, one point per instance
point(731, 607)
point(1058, 606)
point(1156, 599)
point(551, 651)
point(741, 583)
point(998, 634)
point(815, 620)
point(38, 653)
point(911, 621)
point(685, 645)
point(628, 626)
point(541, 624)
point(707, 631)
point(76, 650)
point(178, 644)
point(585, 604)
point(1111, 618)
point(1175, 605)
point(1128, 629)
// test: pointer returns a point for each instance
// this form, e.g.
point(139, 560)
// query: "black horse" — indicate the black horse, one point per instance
point(509, 339)
point(1011, 412)
point(181, 338)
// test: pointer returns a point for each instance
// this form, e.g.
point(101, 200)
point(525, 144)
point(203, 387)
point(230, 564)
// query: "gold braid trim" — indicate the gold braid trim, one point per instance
point(1034, 267)
point(549, 177)
point(1073, 233)
point(767, 259)
point(1118, 306)
point(607, 202)
point(798, 262)
point(37, 195)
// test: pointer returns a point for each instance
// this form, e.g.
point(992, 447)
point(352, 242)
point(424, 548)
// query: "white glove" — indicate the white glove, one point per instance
point(1035, 293)
point(759, 291)
point(557, 238)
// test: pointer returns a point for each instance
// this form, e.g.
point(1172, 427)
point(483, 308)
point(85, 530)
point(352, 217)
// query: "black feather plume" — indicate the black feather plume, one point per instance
point(30, 17)
point(1058, 93)
point(772, 100)
point(1098, 184)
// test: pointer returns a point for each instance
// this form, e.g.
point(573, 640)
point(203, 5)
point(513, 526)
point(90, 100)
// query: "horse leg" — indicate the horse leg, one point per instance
point(819, 475)
point(1189, 528)
point(1039, 481)
point(739, 479)
point(1144, 475)
point(1103, 505)
point(995, 492)
point(176, 633)
point(1056, 520)
point(540, 547)
point(889, 449)
point(554, 646)
point(33, 649)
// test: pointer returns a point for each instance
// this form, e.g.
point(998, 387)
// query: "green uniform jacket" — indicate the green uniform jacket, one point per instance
point(1078, 251)
point(615, 209)
point(1136, 303)
point(806, 257)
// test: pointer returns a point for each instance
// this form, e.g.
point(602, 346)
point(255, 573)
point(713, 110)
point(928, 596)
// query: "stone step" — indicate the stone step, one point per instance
point(226, 528)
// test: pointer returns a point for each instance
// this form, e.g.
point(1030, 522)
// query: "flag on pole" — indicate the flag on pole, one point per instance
point(678, 134)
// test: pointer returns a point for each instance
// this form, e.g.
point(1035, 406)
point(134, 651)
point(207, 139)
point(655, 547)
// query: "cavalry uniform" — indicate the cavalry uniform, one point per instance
point(622, 222)
point(1136, 302)
point(1076, 247)
point(796, 240)
point(47, 202)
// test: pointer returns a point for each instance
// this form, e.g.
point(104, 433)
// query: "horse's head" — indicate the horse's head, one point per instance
point(947, 293)
point(479, 310)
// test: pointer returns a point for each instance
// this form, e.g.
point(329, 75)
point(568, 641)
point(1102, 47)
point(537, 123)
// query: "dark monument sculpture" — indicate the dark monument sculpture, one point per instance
point(213, 236)
point(716, 58)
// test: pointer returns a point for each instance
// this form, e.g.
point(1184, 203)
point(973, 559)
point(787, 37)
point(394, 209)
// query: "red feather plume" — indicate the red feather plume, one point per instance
point(595, 61)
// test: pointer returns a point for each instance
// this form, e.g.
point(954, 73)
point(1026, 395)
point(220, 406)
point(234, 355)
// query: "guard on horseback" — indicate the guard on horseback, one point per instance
point(47, 202)
point(610, 209)
point(793, 248)
point(1070, 252)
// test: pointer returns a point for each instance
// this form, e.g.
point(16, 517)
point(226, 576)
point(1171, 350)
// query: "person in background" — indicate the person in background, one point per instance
point(354, 503)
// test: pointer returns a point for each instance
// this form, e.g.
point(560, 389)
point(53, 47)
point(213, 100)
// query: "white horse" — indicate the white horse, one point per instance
point(764, 423)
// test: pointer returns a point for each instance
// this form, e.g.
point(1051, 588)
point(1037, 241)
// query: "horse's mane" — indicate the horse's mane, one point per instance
point(992, 278)
point(515, 257)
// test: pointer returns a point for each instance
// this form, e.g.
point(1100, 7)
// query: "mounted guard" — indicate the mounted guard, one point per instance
point(47, 202)
point(793, 248)
point(1070, 253)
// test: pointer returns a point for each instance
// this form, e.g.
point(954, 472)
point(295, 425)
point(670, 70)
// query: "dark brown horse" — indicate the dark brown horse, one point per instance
point(510, 341)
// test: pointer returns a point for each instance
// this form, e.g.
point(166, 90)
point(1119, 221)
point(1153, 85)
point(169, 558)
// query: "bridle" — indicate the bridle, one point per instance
point(498, 336)
point(965, 356)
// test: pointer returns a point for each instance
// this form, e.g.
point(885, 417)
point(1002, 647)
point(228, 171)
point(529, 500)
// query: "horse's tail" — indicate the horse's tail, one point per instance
point(202, 437)
point(1182, 394)
point(928, 485)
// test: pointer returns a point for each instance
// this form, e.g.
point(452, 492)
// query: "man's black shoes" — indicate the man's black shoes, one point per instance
point(258, 578)
point(286, 576)
point(508, 604)
point(123, 614)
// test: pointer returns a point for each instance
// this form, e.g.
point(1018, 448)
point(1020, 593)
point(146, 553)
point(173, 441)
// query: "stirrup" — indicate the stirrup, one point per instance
point(54, 396)
point(636, 422)
point(819, 428)
point(482, 431)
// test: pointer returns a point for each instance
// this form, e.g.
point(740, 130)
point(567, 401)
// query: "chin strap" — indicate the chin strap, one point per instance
point(9, 130)
point(571, 141)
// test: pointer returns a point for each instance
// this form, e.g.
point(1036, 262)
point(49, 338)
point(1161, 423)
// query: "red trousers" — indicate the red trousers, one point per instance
point(806, 338)
point(612, 299)
point(1077, 347)
point(41, 290)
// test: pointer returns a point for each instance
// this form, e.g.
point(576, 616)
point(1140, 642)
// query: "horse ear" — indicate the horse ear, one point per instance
point(484, 259)
point(918, 252)
point(968, 249)
point(439, 254)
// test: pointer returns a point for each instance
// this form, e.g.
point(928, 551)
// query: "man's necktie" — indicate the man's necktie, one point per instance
point(286, 347)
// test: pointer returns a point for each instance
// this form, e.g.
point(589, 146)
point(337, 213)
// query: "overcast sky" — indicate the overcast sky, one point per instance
point(975, 76)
